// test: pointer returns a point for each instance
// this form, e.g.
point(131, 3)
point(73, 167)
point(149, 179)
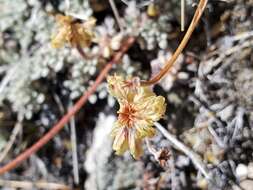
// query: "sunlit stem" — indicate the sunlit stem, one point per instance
point(182, 14)
point(171, 61)
point(116, 14)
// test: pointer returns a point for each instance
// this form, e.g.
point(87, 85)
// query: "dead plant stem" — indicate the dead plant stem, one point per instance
point(116, 14)
point(15, 132)
point(179, 145)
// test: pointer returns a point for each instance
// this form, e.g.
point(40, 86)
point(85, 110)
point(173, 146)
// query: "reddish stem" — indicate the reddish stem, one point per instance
point(65, 119)
point(183, 43)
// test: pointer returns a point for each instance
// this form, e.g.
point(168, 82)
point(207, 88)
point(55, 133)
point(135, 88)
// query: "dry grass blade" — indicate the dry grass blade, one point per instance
point(182, 14)
point(31, 185)
point(116, 14)
point(74, 150)
point(15, 132)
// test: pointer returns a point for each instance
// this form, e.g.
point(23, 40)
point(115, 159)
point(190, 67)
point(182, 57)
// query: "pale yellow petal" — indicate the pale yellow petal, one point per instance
point(144, 129)
point(115, 84)
point(90, 23)
point(60, 38)
point(118, 88)
point(151, 108)
point(135, 145)
point(116, 129)
point(62, 20)
point(142, 93)
point(120, 144)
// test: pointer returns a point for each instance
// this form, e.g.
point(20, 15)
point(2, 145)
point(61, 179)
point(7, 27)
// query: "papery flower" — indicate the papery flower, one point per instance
point(73, 31)
point(139, 109)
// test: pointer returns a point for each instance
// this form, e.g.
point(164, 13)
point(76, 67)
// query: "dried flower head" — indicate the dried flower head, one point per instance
point(152, 10)
point(73, 31)
point(163, 156)
point(139, 109)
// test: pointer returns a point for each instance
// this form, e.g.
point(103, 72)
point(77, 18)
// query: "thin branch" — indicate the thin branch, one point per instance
point(81, 52)
point(72, 137)
point(140, 5)
point(32, 185)
point(182, 14)
point(65, 119)
point(150, 148)
point(74, 150)
point(179, 145)
point(8, 77)
point(172, 60)
point(217, 139)
point(15, 132)
point(84, 55)
point(116, 14)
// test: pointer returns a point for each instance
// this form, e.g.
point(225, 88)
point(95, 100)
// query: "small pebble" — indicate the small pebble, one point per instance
point(202, 183)
point(246, 185)
point(250, 170)
point(241, 171)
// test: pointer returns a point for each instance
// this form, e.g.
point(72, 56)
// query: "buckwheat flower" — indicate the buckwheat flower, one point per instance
point(139, 109)
point(73, 31)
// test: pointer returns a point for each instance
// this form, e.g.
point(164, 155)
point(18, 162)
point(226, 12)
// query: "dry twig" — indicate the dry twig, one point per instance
point(74, 150)
point(116, 14)
point(182, 14)
point(179, 145)
point(15, 132)
point(31, 185)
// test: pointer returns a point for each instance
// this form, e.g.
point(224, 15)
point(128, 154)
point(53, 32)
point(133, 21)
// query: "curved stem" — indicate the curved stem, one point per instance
point(72, 111)
point(171, 61)
point(81, 52)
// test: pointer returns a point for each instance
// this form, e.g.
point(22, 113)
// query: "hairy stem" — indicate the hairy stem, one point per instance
point(172, 60)
point(72, 111)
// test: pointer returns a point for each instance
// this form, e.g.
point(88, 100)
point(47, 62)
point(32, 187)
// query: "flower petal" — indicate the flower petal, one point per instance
point(135, 144)
point(120, 88)
point(115, 84)
point(120, 144)
point(60, 38)
point(144, 129)
point(151, 108)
